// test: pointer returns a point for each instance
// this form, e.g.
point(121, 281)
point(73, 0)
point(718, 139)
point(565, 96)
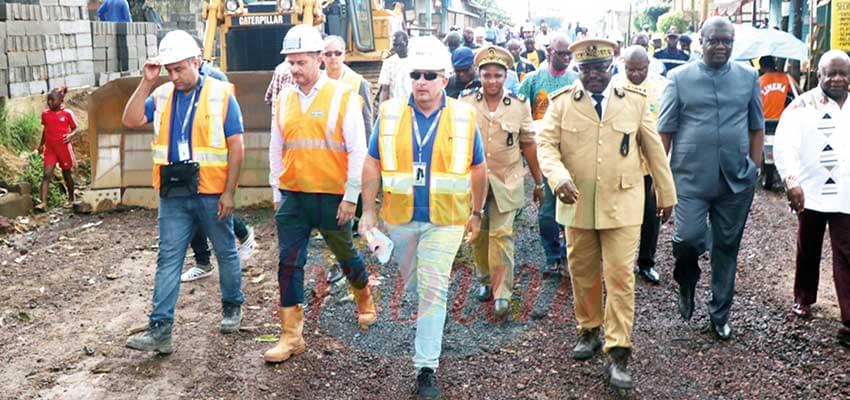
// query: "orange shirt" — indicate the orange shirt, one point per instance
point(775, 87)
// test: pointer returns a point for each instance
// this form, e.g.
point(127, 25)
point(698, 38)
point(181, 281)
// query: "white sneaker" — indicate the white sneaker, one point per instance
point(246, 248)
point(194, 274)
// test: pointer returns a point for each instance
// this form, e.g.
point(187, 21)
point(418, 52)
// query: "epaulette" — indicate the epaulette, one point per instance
point(470, 92)
point(634, 89)
point(560, 91)
point(519, 96)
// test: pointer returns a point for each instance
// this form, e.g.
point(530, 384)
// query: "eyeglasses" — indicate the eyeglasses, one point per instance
point(429, 76)
point(336, 53)
point(562, 53)
point(598, 68)
point(715, 42)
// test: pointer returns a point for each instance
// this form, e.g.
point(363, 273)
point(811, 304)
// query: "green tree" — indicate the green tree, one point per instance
point(672, 19)
point(649, 16)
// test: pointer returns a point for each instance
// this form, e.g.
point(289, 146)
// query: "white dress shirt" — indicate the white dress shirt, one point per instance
point(812, 147)
point(353, 132)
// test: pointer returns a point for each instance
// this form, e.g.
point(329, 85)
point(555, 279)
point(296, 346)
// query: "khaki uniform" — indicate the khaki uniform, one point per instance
point(502, 133)
point(652, 86)
point(604, 224)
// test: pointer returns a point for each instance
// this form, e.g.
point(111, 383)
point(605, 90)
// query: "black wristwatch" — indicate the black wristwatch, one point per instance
point(479, 213)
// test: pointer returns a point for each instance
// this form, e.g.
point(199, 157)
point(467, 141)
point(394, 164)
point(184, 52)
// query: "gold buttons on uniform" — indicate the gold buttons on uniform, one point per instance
point(601, 125)
point(600, 142)
point(599, 160)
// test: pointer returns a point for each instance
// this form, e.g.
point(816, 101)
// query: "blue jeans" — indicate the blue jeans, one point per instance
point(202, 249)
point(178, 219)
point(550, 231)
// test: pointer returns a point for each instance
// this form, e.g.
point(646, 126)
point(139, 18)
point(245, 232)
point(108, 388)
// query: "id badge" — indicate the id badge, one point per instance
point(418, 174)
point(183, 151)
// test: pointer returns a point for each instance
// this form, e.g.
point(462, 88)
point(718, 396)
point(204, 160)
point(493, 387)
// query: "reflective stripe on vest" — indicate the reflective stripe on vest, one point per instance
point(209, 144)
point(451, 159)
point(314, 155)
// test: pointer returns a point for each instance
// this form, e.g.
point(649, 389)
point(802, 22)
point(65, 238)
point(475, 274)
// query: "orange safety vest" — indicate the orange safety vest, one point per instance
point(351, 78)
point(451, 159)
point(209, 145)
point(314, 156)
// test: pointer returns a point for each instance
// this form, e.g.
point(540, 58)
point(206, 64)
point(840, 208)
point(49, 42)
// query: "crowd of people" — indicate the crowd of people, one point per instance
point(616, 141)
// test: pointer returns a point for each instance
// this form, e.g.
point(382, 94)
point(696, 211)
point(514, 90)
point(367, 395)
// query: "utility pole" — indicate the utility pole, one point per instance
point(797, 31)
point(429, 9)
point(755, 12)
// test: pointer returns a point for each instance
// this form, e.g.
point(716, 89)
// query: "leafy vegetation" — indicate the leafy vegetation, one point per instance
point(672, 19)
point(34, 170)
point(649, 16)
point(20, 134)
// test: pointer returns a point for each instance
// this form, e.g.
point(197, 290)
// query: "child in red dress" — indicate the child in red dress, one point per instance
point(59, 132)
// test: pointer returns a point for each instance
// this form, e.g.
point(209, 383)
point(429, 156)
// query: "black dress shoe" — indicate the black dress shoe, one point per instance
point(723, 332)
point(426, 385)
point(650, 275)
point(617, 371)
point(686, 302)
point(588, 344)
point(484, 293)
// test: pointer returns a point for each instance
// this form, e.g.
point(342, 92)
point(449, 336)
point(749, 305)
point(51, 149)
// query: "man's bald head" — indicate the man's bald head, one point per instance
point(635, 54)
point(560, 39)
point(641, 39)
point(833, 57)
point(636, 63)
point(834, 74)
point(717, 36)
point(558, 53)
point(515, 47)
point(715, 23)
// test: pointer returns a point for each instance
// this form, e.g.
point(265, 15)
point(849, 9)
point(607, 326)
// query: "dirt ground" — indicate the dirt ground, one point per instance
point(73, 289)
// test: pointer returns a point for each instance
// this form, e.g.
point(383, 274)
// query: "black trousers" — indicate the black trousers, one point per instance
point(649, 229)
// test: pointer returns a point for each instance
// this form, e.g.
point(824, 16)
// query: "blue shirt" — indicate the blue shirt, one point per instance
point(208, 70)
point(232, 122)
point(421, 194)
point(114, 11)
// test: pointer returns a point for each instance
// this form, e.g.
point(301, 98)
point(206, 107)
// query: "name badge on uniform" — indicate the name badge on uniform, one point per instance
point(183, 151)
point(418, 174)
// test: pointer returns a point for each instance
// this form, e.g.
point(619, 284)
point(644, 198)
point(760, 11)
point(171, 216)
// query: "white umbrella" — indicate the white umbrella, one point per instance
point(753, 43)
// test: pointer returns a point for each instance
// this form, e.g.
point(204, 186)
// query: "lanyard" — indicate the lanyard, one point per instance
point(419, 140)
point(183, 136)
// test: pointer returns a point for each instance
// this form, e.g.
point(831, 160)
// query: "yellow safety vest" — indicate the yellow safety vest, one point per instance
point(314, 156)
point(209, 145)
point(450, 179)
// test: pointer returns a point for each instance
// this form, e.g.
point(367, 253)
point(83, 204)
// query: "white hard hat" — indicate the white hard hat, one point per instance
point(177, 46)
point(479, 32)
point(427, 53)
point(302, 39)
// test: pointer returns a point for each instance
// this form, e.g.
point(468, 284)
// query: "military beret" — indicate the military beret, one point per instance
point(462, 57)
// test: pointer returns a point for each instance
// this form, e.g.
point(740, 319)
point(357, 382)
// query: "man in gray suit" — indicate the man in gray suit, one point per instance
point(711, 114)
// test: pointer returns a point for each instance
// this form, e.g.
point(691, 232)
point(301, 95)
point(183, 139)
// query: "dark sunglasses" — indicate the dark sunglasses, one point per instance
point(563, 53)
point(337, 53)
point(429, 76)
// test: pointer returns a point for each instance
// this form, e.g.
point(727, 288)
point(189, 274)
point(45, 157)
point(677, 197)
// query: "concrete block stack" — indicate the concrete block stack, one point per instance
point(121, 49)
point(46, 44)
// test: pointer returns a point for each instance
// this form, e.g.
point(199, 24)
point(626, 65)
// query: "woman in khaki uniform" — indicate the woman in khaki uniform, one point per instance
point(504, 121)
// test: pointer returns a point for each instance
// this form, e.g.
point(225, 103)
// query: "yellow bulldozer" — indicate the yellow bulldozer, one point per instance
point(243, 38)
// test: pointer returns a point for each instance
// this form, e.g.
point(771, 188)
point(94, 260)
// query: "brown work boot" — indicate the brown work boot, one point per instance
point(366, 313)
point(291, 338)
